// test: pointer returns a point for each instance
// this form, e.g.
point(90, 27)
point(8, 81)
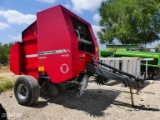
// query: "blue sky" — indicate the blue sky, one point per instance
point(16, 15)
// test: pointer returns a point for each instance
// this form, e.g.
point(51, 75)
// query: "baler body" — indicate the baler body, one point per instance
point(58, 43)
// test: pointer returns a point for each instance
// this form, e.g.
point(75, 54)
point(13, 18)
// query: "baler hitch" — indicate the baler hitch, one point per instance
point(101, 71)
point(115, 70)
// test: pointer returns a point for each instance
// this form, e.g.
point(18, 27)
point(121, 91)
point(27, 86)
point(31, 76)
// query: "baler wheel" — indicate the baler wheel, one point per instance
point(26, 90)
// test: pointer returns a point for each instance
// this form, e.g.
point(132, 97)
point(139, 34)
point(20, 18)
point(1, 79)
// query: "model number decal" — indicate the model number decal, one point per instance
point(65, 55)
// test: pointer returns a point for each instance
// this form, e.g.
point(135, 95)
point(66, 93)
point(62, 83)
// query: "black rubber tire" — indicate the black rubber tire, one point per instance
point(32, 87)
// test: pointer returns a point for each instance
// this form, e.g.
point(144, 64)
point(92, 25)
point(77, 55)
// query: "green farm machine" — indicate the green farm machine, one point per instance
point(151, 55)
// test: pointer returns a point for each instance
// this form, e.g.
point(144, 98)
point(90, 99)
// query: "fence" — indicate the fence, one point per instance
point(130, 65)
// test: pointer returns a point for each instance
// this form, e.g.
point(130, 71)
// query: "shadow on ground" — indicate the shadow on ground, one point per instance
point(93, 102)
point(142, 107)
point(133, 84)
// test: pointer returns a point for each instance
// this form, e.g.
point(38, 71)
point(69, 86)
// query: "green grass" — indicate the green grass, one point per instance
point(6, 84)
point(2, 80)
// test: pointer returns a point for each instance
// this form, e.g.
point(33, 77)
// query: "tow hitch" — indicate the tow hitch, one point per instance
point(103, 75)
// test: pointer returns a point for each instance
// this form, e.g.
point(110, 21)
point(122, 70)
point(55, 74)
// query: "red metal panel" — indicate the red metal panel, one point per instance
point(56, 32)
point(29, 38)
point(78, 64)
point(51, 44)
point(74, 48)
point(30, 33)
point(16, 58)
point(53, 35)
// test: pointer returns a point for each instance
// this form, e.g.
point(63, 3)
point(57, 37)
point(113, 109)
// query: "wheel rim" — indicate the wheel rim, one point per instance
point(22, 91)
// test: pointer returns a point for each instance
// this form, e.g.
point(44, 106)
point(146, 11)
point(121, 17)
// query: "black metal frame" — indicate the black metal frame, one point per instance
point(114, 74)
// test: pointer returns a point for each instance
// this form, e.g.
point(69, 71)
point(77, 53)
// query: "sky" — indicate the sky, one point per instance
point(16, 15)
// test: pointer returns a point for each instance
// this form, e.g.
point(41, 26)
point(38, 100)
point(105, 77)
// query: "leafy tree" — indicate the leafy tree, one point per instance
point(130, 21)
point(157, 49)
point(4, 53)
point(158, 46)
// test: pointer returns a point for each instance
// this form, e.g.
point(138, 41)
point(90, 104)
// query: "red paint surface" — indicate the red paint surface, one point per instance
point(53, 30)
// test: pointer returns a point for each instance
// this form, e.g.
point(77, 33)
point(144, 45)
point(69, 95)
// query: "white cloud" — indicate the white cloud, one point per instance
point(96, 29)
point(96, 17)
point(16, 37)
point(67, 6)
point(4, 26)
point(47, 1)
point(91, 5)
point(15, 17)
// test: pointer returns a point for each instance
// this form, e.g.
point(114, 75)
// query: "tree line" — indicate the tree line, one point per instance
point(4, 53)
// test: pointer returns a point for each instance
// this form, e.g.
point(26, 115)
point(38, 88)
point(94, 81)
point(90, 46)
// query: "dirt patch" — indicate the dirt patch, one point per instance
point(8, 76)
point(4, 69)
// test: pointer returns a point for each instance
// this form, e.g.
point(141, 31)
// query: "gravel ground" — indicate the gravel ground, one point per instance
point(95, 104)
